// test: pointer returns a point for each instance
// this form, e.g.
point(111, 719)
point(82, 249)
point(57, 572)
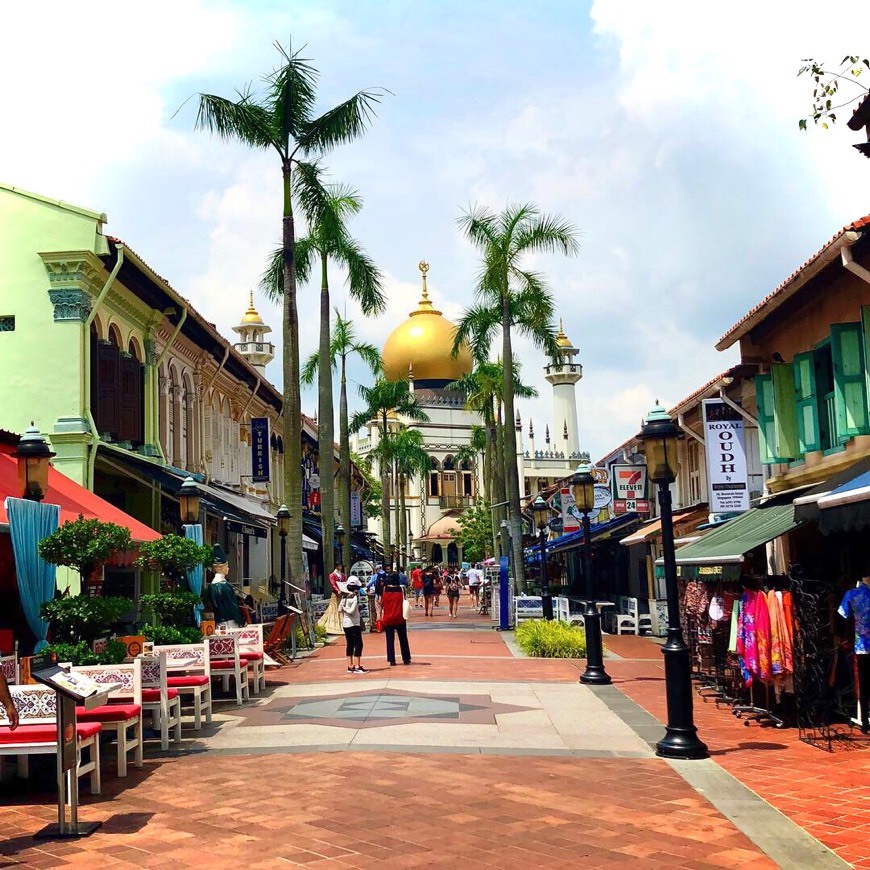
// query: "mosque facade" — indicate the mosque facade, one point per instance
point(419, 349)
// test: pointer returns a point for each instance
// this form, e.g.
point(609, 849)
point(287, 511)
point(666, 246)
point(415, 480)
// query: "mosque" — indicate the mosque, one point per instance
point(420, 350)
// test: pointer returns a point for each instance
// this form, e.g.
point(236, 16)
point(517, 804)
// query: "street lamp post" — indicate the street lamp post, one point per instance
point(188, 502)
point(33, 455)
point(541, 511)
point(283, 517)
point(339, 537)
point(658, 438)
point(583, 487)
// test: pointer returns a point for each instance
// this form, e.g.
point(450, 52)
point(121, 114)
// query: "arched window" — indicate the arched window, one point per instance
point(189, 424)
point(175, 423)
point(105, 383)
point(131, 426)
point(434, 478)
point(467, 473)
point(448, 478)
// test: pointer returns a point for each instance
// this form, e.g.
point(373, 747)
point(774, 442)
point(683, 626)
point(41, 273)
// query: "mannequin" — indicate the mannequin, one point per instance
point(331, 619)
point(856, 603)
point(223, 597)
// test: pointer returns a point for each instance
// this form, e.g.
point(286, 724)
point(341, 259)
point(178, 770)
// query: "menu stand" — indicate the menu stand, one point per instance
point(70, 689)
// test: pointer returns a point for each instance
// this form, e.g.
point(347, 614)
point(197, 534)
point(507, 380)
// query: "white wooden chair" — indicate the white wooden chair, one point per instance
point(251, 648)
point(189, 670)
point(634, 620)
point(124, 710)
point(157, 698)
point(226, 662)
point(36, 733)
point(9, 667)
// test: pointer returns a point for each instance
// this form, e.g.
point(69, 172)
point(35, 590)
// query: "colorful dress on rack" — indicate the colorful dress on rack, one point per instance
point(746, 645)
point(764, 671)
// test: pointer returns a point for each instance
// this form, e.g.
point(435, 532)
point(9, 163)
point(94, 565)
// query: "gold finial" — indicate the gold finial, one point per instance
point(425, 306)
point(561, 339)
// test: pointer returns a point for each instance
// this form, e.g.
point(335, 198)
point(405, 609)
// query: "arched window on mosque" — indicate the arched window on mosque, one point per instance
point(448, 478)
point(434, 478)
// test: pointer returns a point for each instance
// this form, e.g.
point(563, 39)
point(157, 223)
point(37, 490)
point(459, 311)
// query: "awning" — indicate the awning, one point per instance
point(686, 521)
point(847, 508)
point(598, 531)
point(808, 505)
point(644, 533)
point(73, 499)
point(727, 545)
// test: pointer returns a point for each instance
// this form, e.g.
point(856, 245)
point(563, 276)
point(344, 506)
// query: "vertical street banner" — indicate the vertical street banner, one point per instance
point(260, 449)
point(570, 517)
point(727, 472)
point(355, 510)
point(629, 489)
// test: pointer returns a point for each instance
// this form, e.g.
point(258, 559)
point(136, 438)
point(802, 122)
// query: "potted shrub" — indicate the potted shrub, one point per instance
point(173, 556)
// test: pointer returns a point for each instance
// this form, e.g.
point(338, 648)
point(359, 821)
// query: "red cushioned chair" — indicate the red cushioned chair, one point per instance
point(37, 732)
point(189, 670)
point(161, 701)
point(124, 710)
point(251, 648)
point(226, 662)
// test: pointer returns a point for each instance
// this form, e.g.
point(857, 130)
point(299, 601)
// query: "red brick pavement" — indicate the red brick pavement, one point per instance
point(397, 810)
point(827, 794)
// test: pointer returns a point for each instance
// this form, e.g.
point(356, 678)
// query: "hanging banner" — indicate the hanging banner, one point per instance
point(355, 510)
point(570, 517)
point(629, 489)
point(726, 458)
point(260, 449)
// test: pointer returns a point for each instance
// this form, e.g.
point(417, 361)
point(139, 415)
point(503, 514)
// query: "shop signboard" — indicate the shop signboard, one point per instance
point(629, 489)
point(260, 449)
point(727, 472)
point(246, 529)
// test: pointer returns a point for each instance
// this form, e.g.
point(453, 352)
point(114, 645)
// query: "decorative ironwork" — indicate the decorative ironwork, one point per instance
point(7, 323)
point(70, 305)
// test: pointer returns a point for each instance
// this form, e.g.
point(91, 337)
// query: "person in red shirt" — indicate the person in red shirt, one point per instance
point(393, 619)
point(337, 577)
point(417, 585)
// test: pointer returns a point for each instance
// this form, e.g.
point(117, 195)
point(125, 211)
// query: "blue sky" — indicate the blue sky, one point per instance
point(667, 132)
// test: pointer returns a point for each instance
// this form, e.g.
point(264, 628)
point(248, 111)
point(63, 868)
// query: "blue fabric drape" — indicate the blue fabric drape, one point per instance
point(29, 523)
point(196, 575)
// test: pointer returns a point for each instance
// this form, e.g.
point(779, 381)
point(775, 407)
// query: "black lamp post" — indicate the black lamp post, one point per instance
point(188, 502)
point(33, 455)
point(658, 438)
point(541, 511)
point(583, 487)
point(283, 516)
point(339, 537)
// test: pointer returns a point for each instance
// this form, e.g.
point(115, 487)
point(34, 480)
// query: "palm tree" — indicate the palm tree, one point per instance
point(326, 208)
point(344, 344)
point(284, 120)
point(382, 400)
point(483, 388)
point(409, 460)
point(511, 297)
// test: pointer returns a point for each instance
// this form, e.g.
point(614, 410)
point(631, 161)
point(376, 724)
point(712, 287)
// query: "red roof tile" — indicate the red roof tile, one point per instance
point(786, 288)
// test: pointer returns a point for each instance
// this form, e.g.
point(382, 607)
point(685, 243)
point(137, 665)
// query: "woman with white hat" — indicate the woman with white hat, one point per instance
point(350, 622)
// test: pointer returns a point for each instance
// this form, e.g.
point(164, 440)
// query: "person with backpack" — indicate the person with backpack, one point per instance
point(454, 589)
point(430, 577)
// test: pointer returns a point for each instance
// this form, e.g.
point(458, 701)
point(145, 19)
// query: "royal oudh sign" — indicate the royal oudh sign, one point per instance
point(727, 472)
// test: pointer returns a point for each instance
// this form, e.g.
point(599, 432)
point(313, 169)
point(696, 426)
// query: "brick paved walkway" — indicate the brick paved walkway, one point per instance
point(534, 770)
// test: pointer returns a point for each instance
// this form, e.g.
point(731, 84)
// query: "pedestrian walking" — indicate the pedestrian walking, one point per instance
point(350, 622)
point(394, 620)
point(475, 578)
point(417, 585)
point(430, 577)
point(454, 589)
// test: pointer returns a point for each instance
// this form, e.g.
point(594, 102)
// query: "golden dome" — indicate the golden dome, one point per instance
point(423, 344)
point(561, 339)
point(251, 315)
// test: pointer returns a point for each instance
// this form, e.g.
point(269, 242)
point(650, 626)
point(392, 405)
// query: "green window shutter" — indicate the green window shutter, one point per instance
point(850, 389)
point(805, 400)
point(766, 426)
point(865, 327)
point(785, 411)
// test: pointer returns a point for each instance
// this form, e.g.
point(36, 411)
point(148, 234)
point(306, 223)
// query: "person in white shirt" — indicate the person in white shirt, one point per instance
point(350, 622)
point(475, 578)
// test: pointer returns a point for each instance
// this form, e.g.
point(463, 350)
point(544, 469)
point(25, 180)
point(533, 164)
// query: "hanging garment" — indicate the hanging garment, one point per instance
point(776, 632)
point(697, 601)
point(788, 610)
point(747, 647)
point(735, 625)
point(762, 637)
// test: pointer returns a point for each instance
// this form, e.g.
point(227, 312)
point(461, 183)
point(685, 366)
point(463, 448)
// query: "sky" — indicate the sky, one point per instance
point(665, 132)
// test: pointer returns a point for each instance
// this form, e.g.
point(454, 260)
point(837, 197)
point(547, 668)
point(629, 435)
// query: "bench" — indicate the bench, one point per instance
point(37, 733)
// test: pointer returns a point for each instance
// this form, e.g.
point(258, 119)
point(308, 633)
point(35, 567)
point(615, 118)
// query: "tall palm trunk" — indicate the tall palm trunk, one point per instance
point(385, 489)
point(326, 427)
point(488, 457)
point(403, 522)
point(344, 468)
point(498, 486)
point(397, 507)
point(291, 411)
point(512, 476)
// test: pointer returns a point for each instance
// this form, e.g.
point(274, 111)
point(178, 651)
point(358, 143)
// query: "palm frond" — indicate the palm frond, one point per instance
point(242, 121)
point(370, 355)
point(272, 279)
point(309, 369)
point(547, 234)
point(364, 279)
point(313, 196)
point(292, 93)
point(343, 123)
point(476, 329)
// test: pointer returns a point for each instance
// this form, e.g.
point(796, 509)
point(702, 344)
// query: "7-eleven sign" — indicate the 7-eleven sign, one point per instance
point(629, 482)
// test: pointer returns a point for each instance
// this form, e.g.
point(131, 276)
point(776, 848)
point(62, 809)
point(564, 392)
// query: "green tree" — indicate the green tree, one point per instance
point(283, 120)
point(409, 459)
point(512, 297)
point(385, 399)
point(475, 532)
point(173, 556)
point(370, 495)
point(826, 89)
point(85, 545)
point(344, 344)
point(327, 208)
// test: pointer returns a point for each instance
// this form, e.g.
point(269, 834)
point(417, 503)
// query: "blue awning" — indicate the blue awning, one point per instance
point(575, 539)
point(847, 508)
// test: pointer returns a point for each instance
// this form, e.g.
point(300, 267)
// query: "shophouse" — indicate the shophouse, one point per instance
point(135, 388)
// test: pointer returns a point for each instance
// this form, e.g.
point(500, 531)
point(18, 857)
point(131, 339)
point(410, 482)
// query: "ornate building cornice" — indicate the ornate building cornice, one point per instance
point(74, 277)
